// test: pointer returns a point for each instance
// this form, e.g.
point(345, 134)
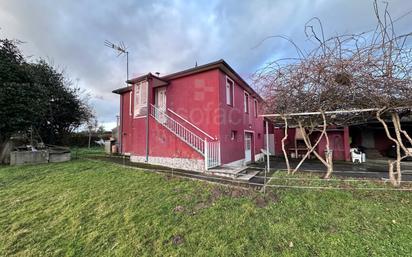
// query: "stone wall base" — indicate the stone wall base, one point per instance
point(40, 156)
point(177, 163)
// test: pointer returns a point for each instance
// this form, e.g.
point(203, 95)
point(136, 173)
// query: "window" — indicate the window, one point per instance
point(233, 135)
point(256, 108)
point(246, 102)
point(140, 98)
point(229, 91)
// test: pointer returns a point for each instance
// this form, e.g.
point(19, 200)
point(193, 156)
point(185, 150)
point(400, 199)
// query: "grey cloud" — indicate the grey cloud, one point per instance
point(167, 36)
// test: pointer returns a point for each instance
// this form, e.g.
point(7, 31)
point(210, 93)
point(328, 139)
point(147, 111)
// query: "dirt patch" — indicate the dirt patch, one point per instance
point(218, 192)
point(168, 177)
point(200, 206)
point(332, 229)
point(179, 208)
point(177, 240)
point(262, 201)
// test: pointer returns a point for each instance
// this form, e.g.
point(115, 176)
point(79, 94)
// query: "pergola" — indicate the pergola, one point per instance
point(303, 114)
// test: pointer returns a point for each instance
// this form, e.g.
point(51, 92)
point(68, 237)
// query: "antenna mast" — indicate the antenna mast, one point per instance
point(121, 49)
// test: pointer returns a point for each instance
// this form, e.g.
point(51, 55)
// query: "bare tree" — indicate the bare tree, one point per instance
point(345, 72)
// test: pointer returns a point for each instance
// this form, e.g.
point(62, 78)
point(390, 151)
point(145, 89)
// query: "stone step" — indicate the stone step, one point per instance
point(248, 176)
point(227, 171)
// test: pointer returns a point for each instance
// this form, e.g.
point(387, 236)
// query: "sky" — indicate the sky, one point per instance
point(168, 36)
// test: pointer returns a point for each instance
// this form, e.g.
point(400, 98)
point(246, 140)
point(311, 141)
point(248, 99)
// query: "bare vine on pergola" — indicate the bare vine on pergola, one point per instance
point(345, 72)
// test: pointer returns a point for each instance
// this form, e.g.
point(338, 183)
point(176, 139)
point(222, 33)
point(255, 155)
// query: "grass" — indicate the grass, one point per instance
point(315, 180)
point(93, 208)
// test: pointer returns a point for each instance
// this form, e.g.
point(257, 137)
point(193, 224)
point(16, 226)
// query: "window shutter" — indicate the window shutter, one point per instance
point(136, 100)
point(143, 94)
point(136, 95)
point(140, 98)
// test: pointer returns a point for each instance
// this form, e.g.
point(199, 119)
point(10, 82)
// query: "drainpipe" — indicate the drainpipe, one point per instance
point(147, 119)
point(119, 127)
point(267, 147)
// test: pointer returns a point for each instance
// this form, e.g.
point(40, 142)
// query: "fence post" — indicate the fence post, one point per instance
point(267, 170)
point(206, 155)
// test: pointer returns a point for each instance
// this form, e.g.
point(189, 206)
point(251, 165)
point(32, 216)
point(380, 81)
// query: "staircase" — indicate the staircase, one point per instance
point(209, 149)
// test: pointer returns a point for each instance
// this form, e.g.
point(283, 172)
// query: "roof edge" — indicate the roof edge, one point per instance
point(219, 64)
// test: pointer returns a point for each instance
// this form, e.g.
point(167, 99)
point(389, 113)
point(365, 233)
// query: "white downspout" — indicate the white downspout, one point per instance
point(267, 147)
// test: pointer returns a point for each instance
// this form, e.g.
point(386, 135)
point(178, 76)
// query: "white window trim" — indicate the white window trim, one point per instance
point(233, 91)
point(244, 102)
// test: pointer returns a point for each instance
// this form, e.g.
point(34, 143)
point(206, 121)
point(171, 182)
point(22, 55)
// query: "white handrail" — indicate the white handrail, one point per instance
point(193, 125)
point(178, 129)
point(209, 149)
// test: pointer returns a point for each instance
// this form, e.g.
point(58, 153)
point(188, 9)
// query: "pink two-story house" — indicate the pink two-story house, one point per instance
point(195, 119)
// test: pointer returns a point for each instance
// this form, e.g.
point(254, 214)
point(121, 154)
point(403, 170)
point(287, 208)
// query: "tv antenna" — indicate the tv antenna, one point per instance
point(121, 49)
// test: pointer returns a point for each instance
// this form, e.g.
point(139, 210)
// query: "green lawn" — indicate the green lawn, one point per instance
point(92, 208)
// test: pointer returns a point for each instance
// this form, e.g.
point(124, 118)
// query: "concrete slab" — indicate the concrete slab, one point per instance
point(248, 176)
point(370, 169)
point(227, 171)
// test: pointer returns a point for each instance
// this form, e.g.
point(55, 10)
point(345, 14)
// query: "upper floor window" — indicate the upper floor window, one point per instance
point(140, 98)
point(229, 91)
point(256, 108)
point(246, 102)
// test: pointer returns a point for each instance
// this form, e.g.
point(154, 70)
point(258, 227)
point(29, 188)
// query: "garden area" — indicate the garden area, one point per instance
point(94, 208)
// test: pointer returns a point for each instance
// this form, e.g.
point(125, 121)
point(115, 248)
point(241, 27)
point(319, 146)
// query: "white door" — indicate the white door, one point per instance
point(160, 102)
point(248, 147)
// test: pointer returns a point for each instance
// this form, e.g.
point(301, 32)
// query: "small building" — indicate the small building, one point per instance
point(195, 119)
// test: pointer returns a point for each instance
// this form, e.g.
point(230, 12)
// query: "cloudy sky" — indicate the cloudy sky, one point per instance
point(167, 36)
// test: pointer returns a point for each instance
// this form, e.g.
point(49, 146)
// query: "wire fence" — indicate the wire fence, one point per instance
point(269, 182)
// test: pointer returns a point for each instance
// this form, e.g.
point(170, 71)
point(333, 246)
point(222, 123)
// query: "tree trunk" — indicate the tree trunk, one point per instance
point(329, 158)
point(395, 180)
point(310, 150)
point(398, 130)
point(327, 162)
point(283, 145)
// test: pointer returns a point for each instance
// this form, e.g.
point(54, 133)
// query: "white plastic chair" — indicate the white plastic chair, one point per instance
point(357, 157)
